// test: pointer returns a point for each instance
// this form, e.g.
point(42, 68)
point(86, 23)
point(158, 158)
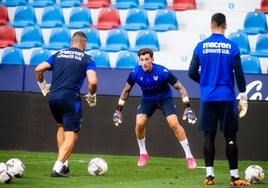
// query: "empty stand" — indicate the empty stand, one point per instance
point(241, 39)
point(136, 19)
point(12, 56)
point(70, 3)
point(52, 16)
point(126, 59)
point(24, 16)
point(93, 38)
point(180, 5)
point(42, 3)
point(80, 17)
point(125, 4)
point(108, 18)
point(154, 4)
point(4, 19)
point(7, 36)
point(97, 3)
point(251, 64)
point(116, 40)
point(101, 58)
point(39, 55)
point(165, 20)
point(264, 7)
point(59, 38)
point(261, 49)
point(14, 3)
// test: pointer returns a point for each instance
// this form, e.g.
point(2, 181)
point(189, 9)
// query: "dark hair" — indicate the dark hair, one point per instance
point(79, 36)
point(144, 51)
point(218, 20)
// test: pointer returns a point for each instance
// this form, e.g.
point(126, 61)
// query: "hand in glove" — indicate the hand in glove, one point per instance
point(242, 105)
point(91, 99)
point(117, 118)
point(44, 87)
point(190, 115)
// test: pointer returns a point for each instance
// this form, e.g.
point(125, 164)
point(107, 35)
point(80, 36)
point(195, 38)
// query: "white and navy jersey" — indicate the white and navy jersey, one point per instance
point(69, 69)
point(155, 84)
point(218, 59)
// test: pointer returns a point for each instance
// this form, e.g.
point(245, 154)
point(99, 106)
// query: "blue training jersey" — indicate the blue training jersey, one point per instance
point(216, 57)
point(69, 69)
point(155, 84)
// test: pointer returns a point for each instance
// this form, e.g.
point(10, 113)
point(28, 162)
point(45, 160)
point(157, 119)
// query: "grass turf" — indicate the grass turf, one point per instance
point(123, 172)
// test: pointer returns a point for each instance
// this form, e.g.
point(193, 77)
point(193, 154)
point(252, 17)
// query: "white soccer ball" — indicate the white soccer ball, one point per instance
point(254, 174)
point(5, 175)
point(16, 167)
point(97, 167)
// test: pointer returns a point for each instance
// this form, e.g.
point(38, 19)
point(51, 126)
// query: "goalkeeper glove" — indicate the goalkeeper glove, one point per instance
point(243, 105)
point(91, 99)
point(117, 118)
point(188, 112)
point(44, 87)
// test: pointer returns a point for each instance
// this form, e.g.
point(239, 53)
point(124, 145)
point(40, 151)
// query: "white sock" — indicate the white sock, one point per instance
point(234, 173)
point(66, 163)
point(186, 148)
point(210, 171)
point(142, 146)
point(58, 166)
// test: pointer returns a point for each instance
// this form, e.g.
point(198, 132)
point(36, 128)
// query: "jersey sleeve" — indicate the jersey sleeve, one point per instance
point(171, 78)
point(91, 65)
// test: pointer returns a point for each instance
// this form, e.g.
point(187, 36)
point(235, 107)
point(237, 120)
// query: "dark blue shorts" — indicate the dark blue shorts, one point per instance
point(212, 113)
point(167, 106)
point(68, 113)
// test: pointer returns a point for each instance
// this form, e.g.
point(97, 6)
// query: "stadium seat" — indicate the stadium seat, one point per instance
point(136, 19)
point(38, 56)
point(93, 38)
point(264, 7)
point(255, 23)
point(12, 56)
point(108, 18)
point(70, 3)
point(31, 37)
point(241, 39)
point(125, 4)
point(146, 38)
point(24, 16)
point(101, 58)
point(52, 16)
point(181, 5)
point(4, 19)
point(261, 49)
point(154, 4)
point(42, 3)
point(7, 36)
point(251, 64)
point(116, 40)
point(80, 17)
point(97, 3)
point(14, 3)
point(59, 38)
point(126, 59)
point(165, 20)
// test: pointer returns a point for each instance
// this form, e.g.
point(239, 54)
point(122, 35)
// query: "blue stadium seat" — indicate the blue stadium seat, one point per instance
point(59, 38)
point(251, 64)
point(154, 4)
point(136, 19)
point(70, 3)
point(38, 56)
point(261, 49)
point(126, 59)
point(93, 38)
point(14, 3)
point(165, 20)
point(80, 17)
point(42, 3)
point(146, 38)
point(125, 4)
point(52, 16)
point(24, 16)
point(241, 39)
point(255, 23)
point(31, 37)
point(101, 58)
point(12, 56)
point(116, 40)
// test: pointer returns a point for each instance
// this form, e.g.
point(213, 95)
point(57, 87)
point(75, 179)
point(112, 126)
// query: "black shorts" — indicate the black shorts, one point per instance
point(167, 106)
point(212, 113)
point(68, 113)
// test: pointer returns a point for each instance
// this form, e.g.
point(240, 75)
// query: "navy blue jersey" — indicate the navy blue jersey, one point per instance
point(69, 68)
point(218, 58)
point(155, 84)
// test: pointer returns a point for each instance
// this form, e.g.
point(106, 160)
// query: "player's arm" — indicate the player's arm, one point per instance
point(39, 73)
point(91, 97)
point(193, 71)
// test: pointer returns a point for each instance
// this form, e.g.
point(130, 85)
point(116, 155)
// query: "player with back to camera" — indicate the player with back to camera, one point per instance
point(69, 69)
point(218, 60)
point(154, 81)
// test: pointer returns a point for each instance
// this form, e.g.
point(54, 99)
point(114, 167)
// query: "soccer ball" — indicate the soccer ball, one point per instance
point(16, 167)
point(5, 175)
point(254, 174)
point(97, 167)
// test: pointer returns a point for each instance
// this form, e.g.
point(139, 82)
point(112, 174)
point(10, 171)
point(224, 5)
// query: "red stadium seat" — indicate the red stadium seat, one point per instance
point(97, 3)
point(7, 36)
point(264, 7)
point(180, 5)
point(4, 19)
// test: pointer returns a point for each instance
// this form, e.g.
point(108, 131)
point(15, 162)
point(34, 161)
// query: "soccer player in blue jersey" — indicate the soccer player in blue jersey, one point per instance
point(69, 69)
point(218, 60)
point(154, 81)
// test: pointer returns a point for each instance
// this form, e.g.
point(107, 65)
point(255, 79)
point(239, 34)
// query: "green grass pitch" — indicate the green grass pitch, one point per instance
point(122, 173)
